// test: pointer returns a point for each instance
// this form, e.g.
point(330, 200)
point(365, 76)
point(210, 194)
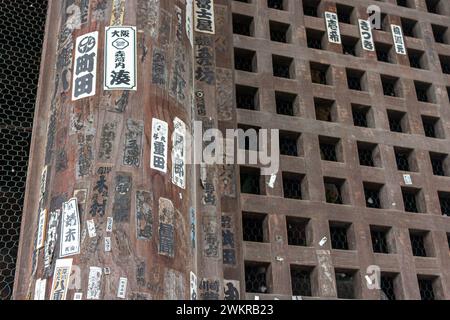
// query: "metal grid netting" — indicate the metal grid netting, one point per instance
point(23, 24)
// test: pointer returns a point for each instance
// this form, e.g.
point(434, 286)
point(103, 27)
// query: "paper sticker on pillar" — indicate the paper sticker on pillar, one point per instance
point(407, 179)
point(78, 296)
point(166, 227)
point(108, 244)
point(204, 16)
point(41, 229)
point(85, 66)
point(365, 31)
point(39, 289)
point(332, 25)
point(144, 215)
point(179, 154)
point(158, 157)
point(109, 224)
point(91, 228)
point(52, 233)
point(94, 283)
point(122, 289)
point(61, 279)
point(70, 229)
point(193, 286)
point(120, 59)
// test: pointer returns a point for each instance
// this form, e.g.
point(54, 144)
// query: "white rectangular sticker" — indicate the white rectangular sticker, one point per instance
point(78, 296)
point(120, 58)
point(91, 228)
point(109, 224)
point(61, 277)
point(407, 179)
point(107, 244)
point(122, 289)
point(332, 25)
point(399, 42)
point(179, 154)
point(85, 66)
point(189, 25)
point(365, 30)
point(39, 290)
point(70, 229)
point(194, 286)
point(41, 229)
point(94, 283)
point(204, 16)
point(160, 135)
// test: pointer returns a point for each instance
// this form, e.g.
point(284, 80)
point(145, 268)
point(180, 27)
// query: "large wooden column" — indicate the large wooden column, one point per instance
point(98, 150)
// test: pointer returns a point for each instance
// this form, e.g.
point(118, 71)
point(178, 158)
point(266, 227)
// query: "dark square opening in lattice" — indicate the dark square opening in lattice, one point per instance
point(412, 200)
point(444, 201)
point(247, 97)
point(426, 288)
point(245, 60)
point(368, 154)
point(410, 28)
point(243, 25)
point(398, 121)
point(298, 231)
point(379, 239)
point(279, 32)
point(402, 3)
point(325, 109)
point(387, 286)
point(355, 79)
point(434, 6)
point(330, 149)
point(320, 73)
point(417, 59)
point(276, 4)
point(250, 180)
point(384, 52)
point(439, 163)
point(373, 195)
point(286, 103)
point(254, 227)
point(350, 46)
point(362, 116)
point(418, 243)
point(345, 284)
point(391, 86)
point(293, 185)
point(335, 191)
point(345, 13)
point(424, 92)
point(289, 143)
point(432, 127)
point(256, 277)
point(440, 33)
point(314, 38)
point(301, 281)
point(310, 7)
point(248, 137)
point(283, 67)
point(339, 235)
point(445, 64)
point(404, 159)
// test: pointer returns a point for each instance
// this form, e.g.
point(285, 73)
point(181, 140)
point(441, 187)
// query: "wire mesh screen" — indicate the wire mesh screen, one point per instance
point(22, 24)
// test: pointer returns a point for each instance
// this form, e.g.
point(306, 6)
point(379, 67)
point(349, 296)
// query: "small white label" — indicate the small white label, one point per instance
point(120, 58)
point(407, 179)
point(78, 296)
point(91, 228)
point(122, 289)
point(39, 290)
point(323, 241)
point(94, 283)
point(160, 133)
point(41, 229)
point(272, 180)
point(109, 224)
point(107, 244)
point(85, 66)
point(70, 229)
